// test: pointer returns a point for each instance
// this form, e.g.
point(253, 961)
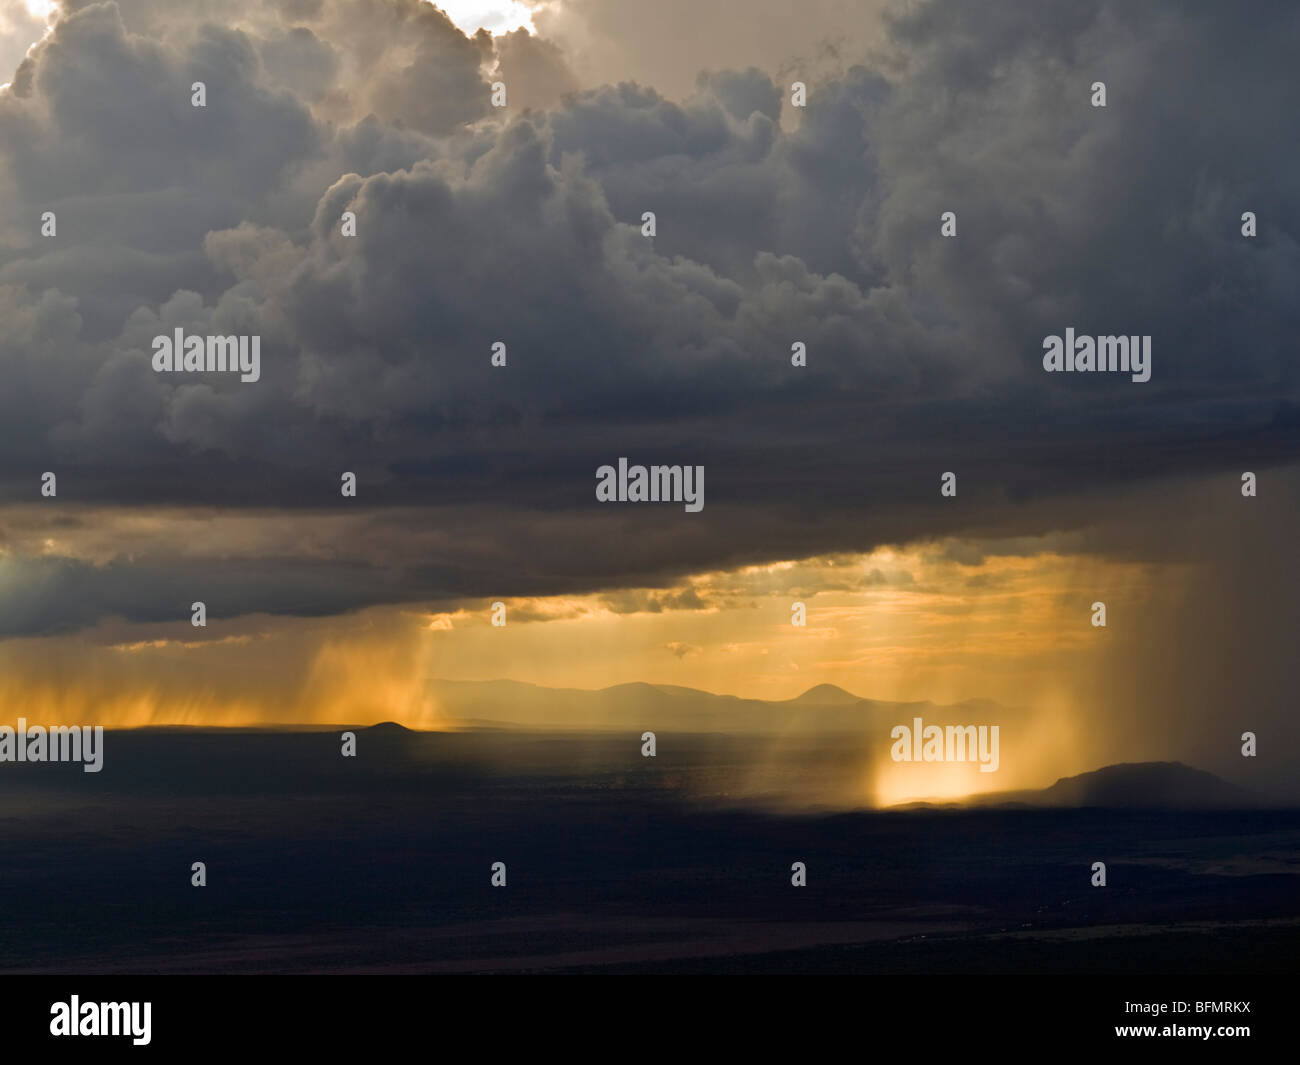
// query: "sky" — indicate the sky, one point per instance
point(774, 225)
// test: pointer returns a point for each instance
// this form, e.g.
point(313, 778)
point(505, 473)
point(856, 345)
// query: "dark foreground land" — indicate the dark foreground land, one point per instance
point(382, 863)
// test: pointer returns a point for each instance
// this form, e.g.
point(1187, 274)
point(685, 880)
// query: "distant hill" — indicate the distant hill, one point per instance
point(827, 695)
point(1149, 784)
point(639, 706)
point(1135, 785)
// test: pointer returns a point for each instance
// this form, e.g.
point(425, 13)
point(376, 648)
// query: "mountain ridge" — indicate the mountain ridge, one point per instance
point(642, 705)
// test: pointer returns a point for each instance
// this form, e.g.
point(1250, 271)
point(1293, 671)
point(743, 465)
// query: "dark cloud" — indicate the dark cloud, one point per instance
point(475, 226)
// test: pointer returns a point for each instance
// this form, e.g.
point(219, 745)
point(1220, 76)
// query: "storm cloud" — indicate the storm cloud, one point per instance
point(774, 226)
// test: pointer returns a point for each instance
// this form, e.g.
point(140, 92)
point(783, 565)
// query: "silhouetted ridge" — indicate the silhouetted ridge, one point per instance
point(1147, 784)
point(826, 695)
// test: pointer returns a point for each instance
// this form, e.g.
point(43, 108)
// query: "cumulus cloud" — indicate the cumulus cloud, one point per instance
point(667, 44)
point(475, 226)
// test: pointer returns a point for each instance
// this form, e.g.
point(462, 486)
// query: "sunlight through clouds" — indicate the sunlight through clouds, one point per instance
point(495, 16)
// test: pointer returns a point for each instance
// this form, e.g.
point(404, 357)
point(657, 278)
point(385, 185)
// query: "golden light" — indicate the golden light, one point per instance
point(909, 782)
